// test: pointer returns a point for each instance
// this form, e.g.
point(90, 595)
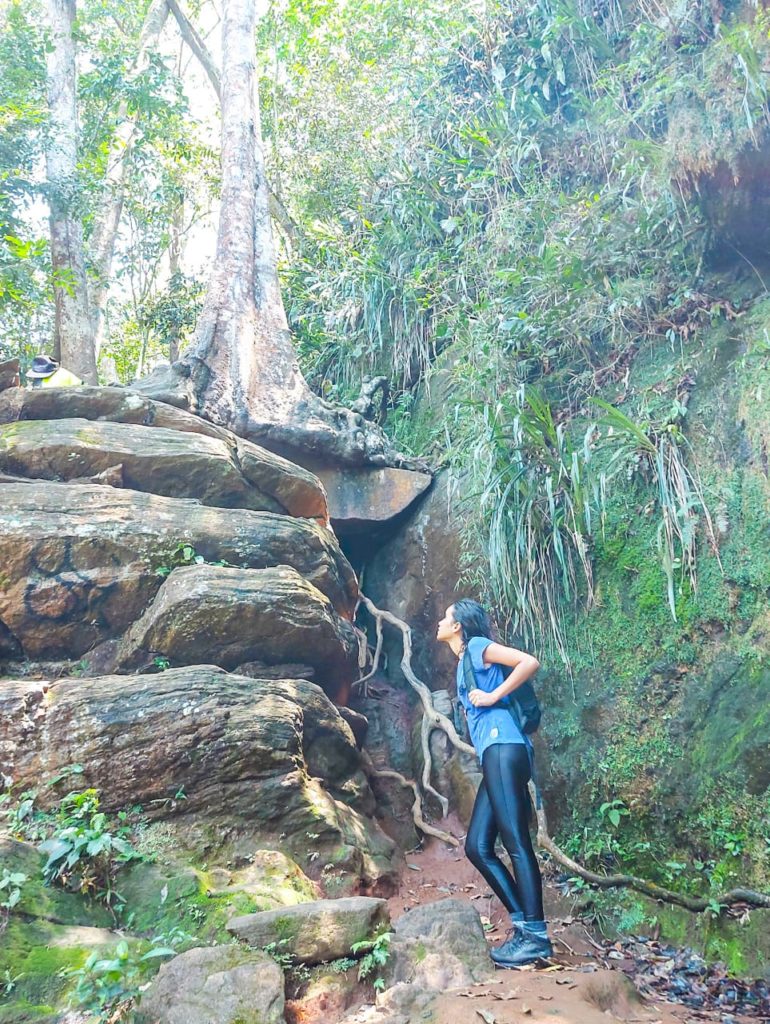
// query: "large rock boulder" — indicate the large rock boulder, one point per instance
point(224, 616)
point(234, 746)
point(9, 374)
point(361, 497)
point(364, 500)
point(439, 946)
point(225, 472)
point(215, 985)
point(79, 564)
point(314, 932)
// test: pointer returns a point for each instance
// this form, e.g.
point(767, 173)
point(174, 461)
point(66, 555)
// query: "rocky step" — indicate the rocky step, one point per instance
point(209, 614)
point(225, 471)
point(314, 932)
point(80, 564)
point(226, 984)
point(92, 402)
point(361, 498)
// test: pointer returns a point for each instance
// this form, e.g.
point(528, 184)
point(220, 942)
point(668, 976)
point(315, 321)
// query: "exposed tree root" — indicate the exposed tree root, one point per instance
point(433, 719)
point(420, 822)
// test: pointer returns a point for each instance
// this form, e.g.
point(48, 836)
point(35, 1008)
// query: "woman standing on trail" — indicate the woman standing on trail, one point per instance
point(502, 803)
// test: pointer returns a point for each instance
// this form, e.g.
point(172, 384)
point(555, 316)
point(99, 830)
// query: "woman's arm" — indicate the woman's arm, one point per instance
point(524, 667)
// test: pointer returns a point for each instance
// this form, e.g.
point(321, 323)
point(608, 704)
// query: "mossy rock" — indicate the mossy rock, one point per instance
point(743, 946)
point(47, 902)
point(161, 896)
point(36, 955)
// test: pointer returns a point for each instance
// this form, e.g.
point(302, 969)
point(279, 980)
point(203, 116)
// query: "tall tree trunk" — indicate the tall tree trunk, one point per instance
point(241, 369)
point(73, 340)
point(105, 232)
point(174, 256)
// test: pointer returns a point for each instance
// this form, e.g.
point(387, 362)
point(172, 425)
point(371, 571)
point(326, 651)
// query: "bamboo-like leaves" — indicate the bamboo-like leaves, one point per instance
point(536, 510)
point(680, 498)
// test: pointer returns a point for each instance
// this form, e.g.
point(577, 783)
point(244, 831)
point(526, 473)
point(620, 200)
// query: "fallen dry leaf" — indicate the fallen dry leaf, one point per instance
point(504, 996)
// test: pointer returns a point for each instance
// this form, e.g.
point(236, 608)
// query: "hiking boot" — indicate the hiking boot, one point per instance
point(524, 948)
point(506, 949)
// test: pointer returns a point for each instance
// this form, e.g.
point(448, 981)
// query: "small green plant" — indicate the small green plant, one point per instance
point(20, 816)
point(11, 883)
point(161, 663)
point(376, 953)
point(83, 851)
point(614, 810)
point(108, 986)
point(296, 972)
point(183, 554)
point(343, 964)
point(8, 982)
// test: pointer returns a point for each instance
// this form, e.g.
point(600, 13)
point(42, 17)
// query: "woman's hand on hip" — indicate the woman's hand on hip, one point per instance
point(482, 699)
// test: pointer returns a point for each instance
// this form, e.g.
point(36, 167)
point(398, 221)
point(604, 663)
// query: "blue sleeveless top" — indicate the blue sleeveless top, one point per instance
point(486, 725)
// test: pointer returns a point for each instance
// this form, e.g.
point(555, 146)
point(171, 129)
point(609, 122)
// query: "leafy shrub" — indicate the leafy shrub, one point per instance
point(376, 954)
point(83, 852)
point(107, 986)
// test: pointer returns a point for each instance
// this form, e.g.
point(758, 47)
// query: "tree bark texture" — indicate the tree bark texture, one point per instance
point(241, 370)
point(242, 349)
point(103, 237)
point(73, 340)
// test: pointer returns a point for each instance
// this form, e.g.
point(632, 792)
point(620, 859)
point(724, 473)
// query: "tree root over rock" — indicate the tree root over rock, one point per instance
point(433, 719)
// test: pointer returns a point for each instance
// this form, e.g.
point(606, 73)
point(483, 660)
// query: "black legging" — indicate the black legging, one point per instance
point(502, 808)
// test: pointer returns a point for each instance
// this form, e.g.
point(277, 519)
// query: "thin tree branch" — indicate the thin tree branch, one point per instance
point(195, 41)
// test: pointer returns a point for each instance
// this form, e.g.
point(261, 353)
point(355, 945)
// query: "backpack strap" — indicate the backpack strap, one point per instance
point(471, 683)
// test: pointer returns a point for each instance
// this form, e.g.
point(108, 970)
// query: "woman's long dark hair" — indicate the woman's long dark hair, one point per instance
point(472, 617)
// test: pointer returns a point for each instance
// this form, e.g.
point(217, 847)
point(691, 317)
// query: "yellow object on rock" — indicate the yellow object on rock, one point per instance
point(60, 378)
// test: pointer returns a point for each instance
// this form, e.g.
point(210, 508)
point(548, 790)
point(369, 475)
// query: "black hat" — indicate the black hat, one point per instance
point(42, 366)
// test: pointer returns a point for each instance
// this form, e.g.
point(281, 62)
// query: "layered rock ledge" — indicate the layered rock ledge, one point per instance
point(260, 762)
point(79, 564)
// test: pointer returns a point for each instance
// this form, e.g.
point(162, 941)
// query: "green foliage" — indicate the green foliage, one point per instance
point(108, 986)
point(296, 971)
point(84, 849)
point(614, 810)
point(342, 965)
point(376, 954)
point(83, 852)
point(11, 884)
point(679, 491)
point(25, 312)
point(533, 498)
point(183, 554)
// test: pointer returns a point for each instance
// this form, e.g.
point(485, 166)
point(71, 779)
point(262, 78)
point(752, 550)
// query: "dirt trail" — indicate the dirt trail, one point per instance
point(580, 987)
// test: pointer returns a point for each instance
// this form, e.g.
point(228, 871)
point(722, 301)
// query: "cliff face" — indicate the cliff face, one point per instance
point(671, 716)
